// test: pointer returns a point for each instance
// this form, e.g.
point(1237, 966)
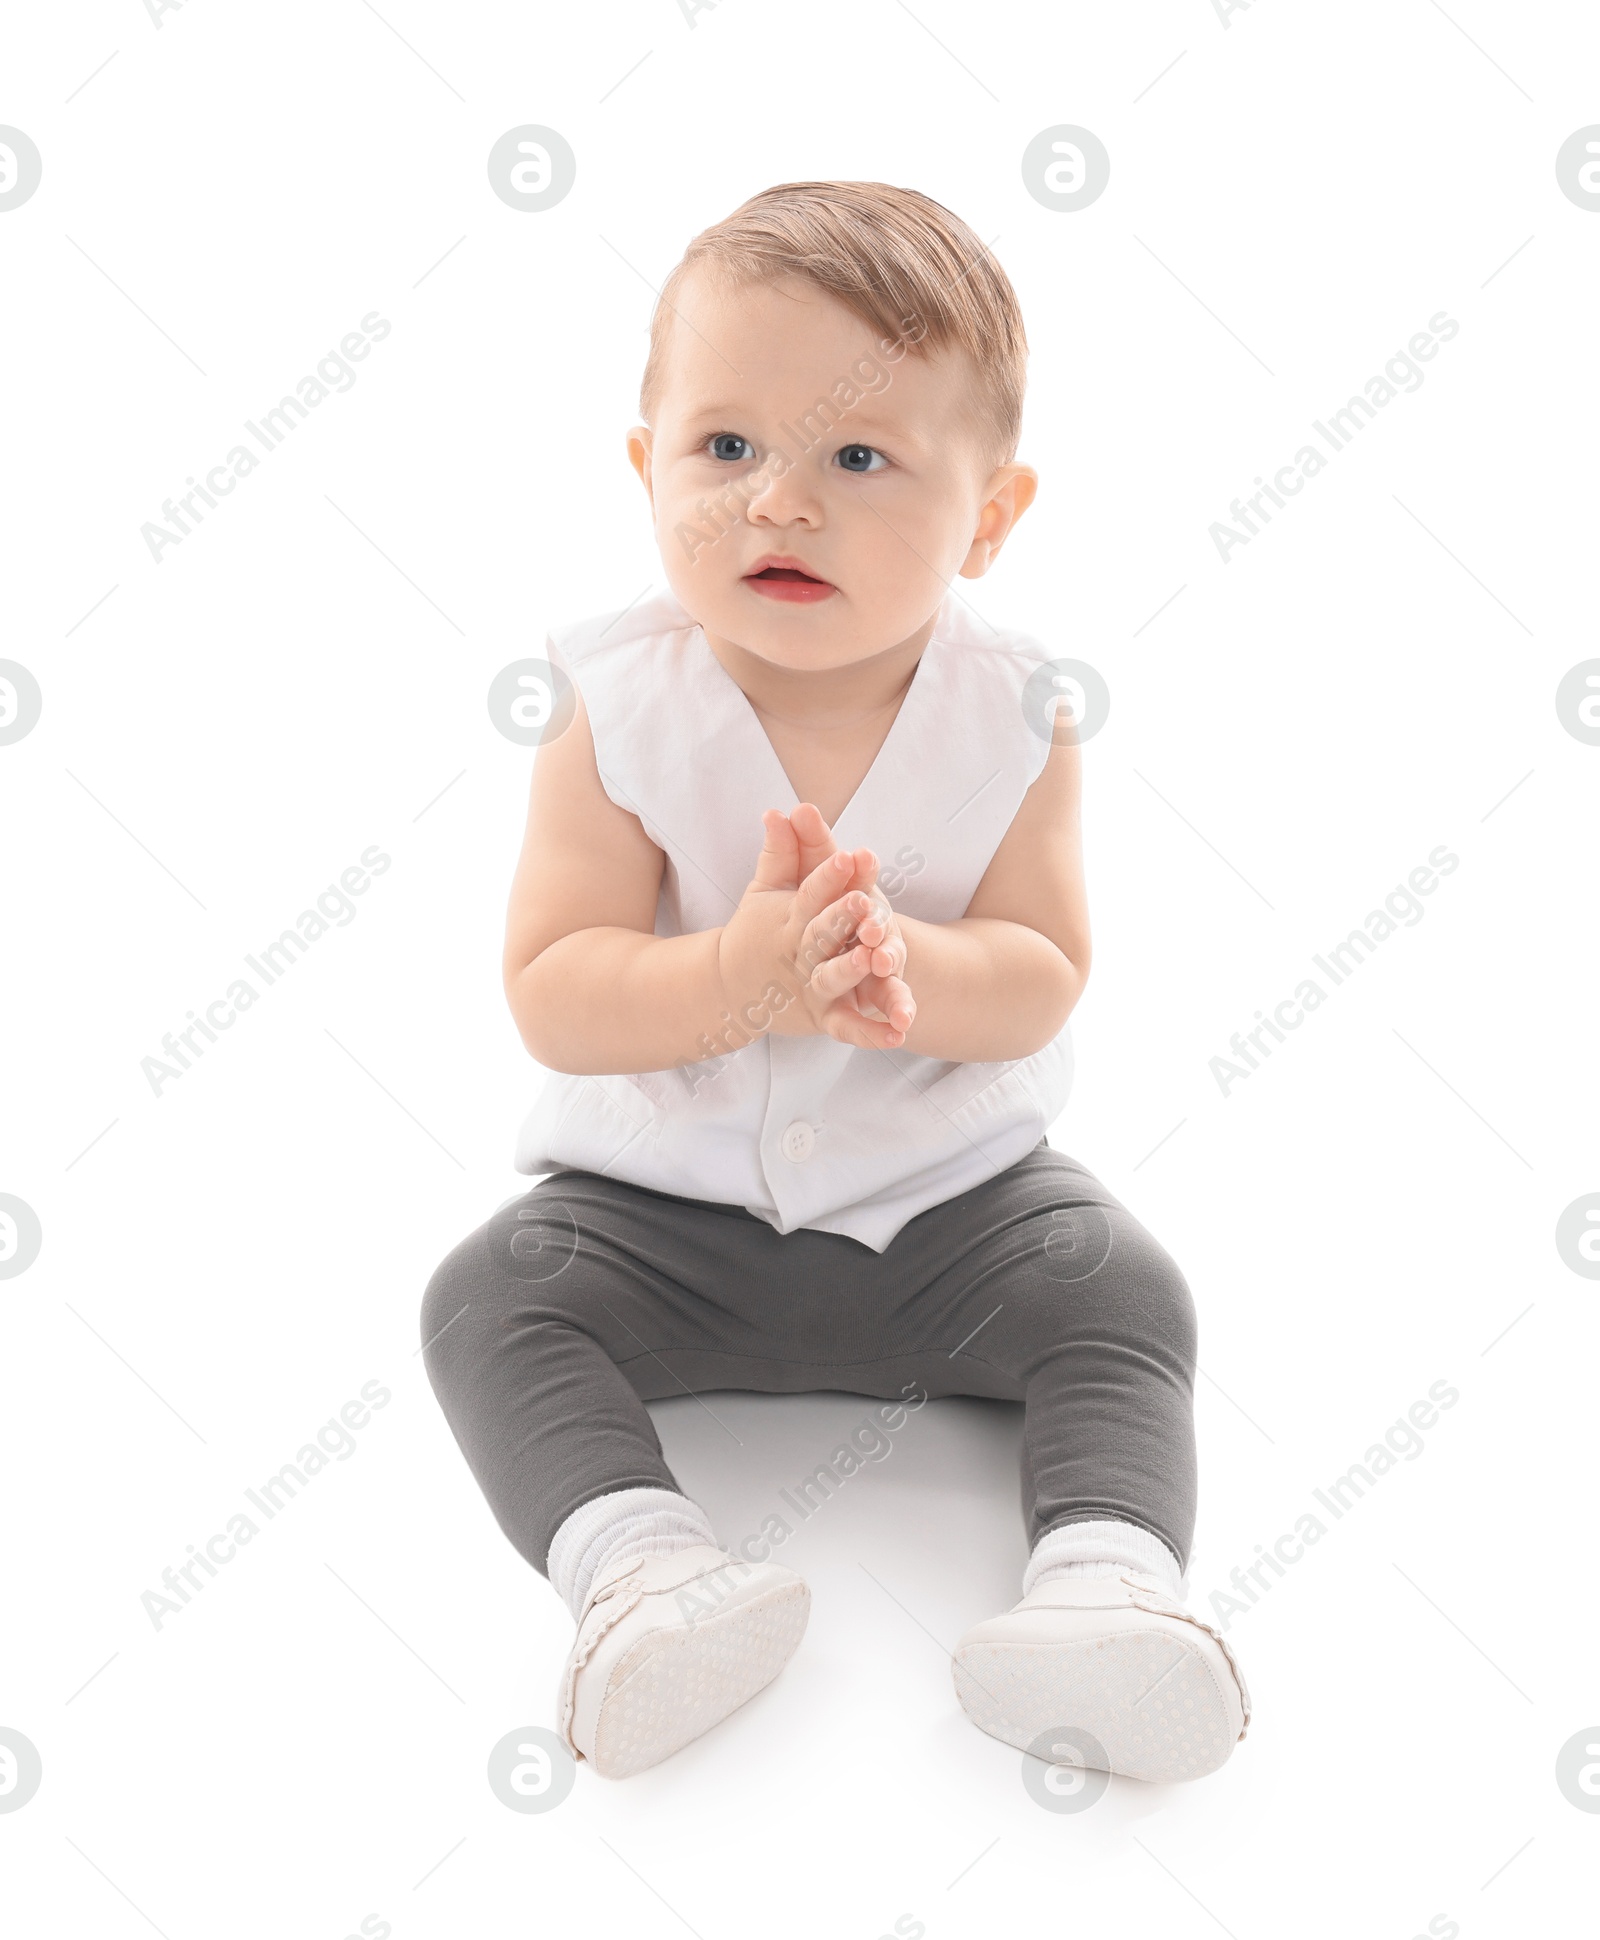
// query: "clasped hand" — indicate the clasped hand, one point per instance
point(815, 923)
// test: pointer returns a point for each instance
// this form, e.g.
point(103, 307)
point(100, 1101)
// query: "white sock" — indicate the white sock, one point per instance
point(1101, 1549)
point(626, 1523)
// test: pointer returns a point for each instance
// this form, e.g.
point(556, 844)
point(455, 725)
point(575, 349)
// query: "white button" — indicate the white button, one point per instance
point(797, 1141)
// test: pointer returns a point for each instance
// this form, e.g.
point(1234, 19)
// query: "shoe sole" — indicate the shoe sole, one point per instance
point(1150, 1698)
point(676, 1683)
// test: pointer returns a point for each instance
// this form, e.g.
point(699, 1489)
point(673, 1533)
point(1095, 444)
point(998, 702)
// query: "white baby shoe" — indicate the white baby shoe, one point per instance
point(667, 1646)
point(1115, 1657)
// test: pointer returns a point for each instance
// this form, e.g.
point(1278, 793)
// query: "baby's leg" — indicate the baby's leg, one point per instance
point(530, 1327)
point(1106, 1327)
point(1093, 1321)
point(524, 1330)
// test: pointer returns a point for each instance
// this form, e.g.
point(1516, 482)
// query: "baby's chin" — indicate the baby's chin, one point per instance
point(802, 635)
point(790, 633)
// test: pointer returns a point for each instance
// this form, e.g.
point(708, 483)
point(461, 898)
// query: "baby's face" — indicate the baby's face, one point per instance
point(890, 502)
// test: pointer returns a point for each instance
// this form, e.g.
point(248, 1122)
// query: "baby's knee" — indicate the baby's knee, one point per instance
point(1156, 1291)
point(1097, 1268)
point(450, 1291)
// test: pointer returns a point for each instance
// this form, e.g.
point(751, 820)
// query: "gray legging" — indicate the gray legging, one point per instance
point(548, 1328)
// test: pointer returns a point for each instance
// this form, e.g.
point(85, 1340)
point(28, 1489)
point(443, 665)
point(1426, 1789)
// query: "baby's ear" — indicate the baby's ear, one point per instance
point(639, 451)
point(1011, 491)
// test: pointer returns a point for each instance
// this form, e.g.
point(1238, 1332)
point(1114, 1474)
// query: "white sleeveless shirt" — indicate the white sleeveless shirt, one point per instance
point(804, 1131)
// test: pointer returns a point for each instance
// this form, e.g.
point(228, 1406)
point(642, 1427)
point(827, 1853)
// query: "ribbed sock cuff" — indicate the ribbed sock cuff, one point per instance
point(611, 1528)
point(1101, 1549)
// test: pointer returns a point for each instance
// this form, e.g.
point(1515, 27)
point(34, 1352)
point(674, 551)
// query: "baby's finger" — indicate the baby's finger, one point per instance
point(866, 876)
point(832, 929)
point(882, 909)
point(844, 1021)
point(827, 881)
point(777, 866)
point(814, 835)
point(892, 997)
point(888, 951)
point(841, 973)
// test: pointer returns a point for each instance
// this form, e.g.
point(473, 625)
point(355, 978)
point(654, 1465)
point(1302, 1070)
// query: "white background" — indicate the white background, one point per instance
point(225, 1265)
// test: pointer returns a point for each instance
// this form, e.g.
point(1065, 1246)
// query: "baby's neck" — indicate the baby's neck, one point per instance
point(827, 701)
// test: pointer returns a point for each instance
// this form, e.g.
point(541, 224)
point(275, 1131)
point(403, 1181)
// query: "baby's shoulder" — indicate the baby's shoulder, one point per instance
point(987, 647)
point(621, 630)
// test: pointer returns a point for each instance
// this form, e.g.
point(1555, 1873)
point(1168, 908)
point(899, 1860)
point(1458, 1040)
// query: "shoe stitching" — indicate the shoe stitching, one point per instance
point(624, 1592)
point(1158, 1604)
point(1155, 1601)
point(587, 1643)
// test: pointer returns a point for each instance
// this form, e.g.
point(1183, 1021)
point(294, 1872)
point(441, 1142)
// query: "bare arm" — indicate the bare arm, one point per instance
point(594, 990)
point(1000, 982)
point(591, 986)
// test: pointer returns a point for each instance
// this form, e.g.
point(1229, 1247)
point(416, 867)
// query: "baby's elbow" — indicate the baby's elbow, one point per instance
point(547, 1051)
point(1071, 976)
point(530, 1013)
point(535, 1046)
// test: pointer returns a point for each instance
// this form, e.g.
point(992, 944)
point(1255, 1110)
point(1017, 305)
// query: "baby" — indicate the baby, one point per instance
point(794, 1132)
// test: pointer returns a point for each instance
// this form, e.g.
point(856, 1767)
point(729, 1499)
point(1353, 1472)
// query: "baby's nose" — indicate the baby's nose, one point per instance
point(782, 497)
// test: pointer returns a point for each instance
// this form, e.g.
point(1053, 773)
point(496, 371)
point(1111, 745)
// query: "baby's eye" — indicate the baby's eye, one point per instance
point(858, 458)
point(721, 441)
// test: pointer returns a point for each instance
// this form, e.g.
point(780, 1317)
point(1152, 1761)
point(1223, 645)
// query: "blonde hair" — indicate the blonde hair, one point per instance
point(897, 259)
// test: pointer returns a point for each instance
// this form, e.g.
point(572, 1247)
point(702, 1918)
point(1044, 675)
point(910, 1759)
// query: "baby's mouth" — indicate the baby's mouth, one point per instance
point(790, 584)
